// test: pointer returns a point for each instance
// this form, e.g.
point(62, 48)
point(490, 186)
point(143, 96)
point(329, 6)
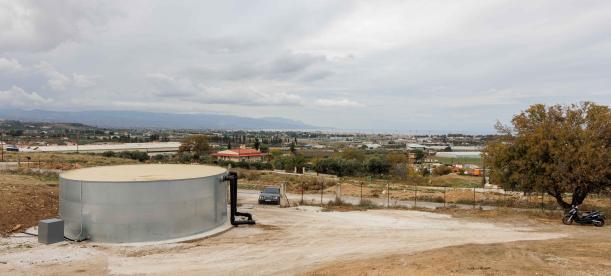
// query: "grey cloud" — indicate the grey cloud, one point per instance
point(291, 63)
point(228, 45)
point(42, 25)
point(354, 64)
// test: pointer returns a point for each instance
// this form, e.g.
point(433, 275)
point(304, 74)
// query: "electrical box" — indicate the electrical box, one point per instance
point(50, 231)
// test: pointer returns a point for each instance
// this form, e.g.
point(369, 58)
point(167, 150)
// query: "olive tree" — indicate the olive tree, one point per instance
point(559, 150)
point(196, 144)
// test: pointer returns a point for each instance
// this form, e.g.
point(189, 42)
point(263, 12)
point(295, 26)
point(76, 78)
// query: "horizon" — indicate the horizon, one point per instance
point(390, 66)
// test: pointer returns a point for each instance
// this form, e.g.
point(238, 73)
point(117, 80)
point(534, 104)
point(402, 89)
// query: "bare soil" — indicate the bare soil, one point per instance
point(286, 241)
point(586, 252)
point(24, 200)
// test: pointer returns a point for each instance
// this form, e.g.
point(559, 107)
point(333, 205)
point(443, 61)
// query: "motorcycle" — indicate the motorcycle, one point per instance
point(595, 217)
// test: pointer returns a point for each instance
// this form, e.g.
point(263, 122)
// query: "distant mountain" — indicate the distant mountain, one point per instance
point(137, 119)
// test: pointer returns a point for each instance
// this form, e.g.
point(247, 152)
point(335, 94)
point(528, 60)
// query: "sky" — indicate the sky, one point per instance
point(404, 66)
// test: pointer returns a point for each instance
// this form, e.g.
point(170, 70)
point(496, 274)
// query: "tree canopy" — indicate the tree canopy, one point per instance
point(556, 150)
point(195, 144)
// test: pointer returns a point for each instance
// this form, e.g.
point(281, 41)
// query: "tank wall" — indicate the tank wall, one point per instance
point(119, 212)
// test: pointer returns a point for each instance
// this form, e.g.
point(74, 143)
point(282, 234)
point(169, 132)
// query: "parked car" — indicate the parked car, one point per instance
point(270, 195)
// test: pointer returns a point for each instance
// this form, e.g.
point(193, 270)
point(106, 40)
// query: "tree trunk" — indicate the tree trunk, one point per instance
point(561, 202)
point(579, 195)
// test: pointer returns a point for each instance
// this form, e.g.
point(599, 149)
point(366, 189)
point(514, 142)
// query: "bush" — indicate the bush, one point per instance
point(109, 154)
point(159, 157)
point(134, 155)
point(368, 204)
point(340, 167)
point(184, 157)
point(249, 175)
point(442, 170)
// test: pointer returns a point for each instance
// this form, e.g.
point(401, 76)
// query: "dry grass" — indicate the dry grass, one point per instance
point(64, 161)
point(451, 180)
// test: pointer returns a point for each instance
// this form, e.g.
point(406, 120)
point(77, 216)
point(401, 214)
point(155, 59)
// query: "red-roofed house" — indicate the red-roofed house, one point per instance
point(241, 154)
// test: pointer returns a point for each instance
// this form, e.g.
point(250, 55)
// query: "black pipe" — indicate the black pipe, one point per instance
point(233, 192)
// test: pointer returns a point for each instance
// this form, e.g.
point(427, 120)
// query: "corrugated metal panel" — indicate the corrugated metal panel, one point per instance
point(121, 212)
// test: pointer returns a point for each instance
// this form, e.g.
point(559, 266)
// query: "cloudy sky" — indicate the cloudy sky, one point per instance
point(375, 65)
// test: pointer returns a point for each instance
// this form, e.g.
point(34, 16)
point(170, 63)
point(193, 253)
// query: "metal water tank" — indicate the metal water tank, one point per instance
point(142, 203)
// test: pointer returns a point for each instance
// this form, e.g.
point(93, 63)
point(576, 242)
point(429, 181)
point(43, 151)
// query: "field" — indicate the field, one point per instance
point(460, 160)
point(63, 161)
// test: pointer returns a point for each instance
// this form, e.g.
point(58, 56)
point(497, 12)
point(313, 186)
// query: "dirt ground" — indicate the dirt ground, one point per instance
point(284, 242)
point(585, 252)
point(24, 200)
point(306, 240)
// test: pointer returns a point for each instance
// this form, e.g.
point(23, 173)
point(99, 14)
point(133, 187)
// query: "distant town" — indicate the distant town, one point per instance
point(30, 137)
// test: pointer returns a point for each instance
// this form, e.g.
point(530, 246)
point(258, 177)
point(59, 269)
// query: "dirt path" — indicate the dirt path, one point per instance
point(285, 241)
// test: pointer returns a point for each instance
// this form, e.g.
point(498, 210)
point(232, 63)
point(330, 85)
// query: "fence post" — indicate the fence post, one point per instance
point(415, 194)
point(361, 192)
point(444, 196)
point(473, 197)
point(322, 189)
point(301, 193)
point(388, 194)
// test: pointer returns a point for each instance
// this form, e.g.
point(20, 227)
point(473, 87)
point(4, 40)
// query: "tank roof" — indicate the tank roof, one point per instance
point(143, 172)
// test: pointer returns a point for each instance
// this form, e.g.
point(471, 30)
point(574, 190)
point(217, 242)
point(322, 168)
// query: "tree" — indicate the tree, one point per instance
point(292, 148)
point(257, 144)
point(377, 165)
point(195, 144)
point(353, 154)
point(289, 163)
point(419, 155)
point(556, 150)
point(395, 158)
point(264, 148)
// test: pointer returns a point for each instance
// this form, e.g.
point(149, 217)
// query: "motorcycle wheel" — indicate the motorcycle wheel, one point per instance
point(599, 223)
point(567, 220)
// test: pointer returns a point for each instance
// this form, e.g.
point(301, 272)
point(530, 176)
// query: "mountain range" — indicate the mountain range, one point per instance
point(138, 119)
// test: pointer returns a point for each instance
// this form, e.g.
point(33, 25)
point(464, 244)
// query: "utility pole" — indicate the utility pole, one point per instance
point(78, 132)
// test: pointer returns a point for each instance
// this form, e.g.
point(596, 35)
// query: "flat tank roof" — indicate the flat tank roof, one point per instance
point(142, 172)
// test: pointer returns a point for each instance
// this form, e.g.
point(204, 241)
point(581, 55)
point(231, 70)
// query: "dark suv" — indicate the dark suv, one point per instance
point(270, 195)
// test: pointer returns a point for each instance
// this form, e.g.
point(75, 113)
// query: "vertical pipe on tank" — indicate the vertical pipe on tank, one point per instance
point(233, 189)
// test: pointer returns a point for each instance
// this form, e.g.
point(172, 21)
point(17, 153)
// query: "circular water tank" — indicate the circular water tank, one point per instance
point(142, 203)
